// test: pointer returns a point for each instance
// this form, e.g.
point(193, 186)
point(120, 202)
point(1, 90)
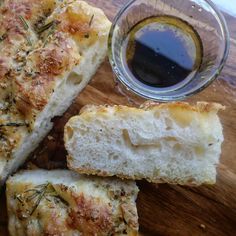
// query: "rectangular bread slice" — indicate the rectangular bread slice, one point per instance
point(62, 202)
point(174, 143)
point(51, 50)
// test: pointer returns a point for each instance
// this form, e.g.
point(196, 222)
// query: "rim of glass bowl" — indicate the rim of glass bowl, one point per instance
point(158, 97)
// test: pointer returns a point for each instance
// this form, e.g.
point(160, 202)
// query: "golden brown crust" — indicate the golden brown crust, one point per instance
point(91, 206)
point(182, 112)
point(46, 64)
point(200, 107)
point(85, 217)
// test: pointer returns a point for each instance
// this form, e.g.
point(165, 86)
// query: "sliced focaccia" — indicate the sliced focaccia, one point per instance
point(61, 202)
point(175, 143)
point(50, 51)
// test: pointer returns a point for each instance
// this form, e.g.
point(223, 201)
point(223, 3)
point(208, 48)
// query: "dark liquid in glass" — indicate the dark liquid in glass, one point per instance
point(162, 51)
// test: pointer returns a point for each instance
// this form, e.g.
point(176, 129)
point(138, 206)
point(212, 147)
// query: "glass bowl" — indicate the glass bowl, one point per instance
point(207, 21)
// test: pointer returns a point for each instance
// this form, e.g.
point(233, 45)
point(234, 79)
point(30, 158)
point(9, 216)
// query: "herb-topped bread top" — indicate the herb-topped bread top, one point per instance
point(41, 43)
point(61, 202)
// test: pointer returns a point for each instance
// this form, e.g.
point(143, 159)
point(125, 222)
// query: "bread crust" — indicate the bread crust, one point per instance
point(101, 173)
point(201, 107)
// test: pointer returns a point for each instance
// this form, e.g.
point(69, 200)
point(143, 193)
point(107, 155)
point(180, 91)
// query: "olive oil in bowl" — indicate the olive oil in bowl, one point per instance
point(162, 52)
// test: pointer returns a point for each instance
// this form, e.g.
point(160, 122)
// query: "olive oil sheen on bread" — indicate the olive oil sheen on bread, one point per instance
point(162, 51)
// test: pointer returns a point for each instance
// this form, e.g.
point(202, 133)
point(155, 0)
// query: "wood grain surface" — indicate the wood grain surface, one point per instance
point(163, 209)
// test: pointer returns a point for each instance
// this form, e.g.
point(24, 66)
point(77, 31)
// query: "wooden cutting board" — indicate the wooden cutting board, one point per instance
point(163, 209)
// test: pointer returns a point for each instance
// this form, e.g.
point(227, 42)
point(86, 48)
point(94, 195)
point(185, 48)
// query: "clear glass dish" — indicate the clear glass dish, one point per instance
point(205, 18)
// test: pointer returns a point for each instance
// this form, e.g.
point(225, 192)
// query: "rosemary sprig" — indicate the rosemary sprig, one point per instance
point(45, 27)
point(58, 199)
point(36, 194)
point(41, 195)
point(12, 124)
point(91, 20)
point(24, 23)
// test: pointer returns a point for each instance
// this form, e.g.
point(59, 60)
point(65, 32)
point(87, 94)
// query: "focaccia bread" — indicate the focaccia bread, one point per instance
point(174, 143)
point(49, 51)
point(62, 202)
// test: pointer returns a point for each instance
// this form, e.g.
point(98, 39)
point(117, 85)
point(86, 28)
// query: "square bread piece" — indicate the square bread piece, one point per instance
point(64, 203)
point(174, 143)
point(49, 51)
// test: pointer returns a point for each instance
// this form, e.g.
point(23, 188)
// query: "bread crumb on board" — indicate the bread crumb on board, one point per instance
point(50, 138)
point(202, 226)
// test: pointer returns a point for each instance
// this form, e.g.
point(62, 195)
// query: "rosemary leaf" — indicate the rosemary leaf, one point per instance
point(32, 196)
point(26, 27)
point(29, 41)
point(25, 24)
point(41, 186)
point(2, 138)
point(91, 20)
point(50, 32)
point(3, 37)
point(18, 197)
point(45, 27)
point(60, 200)
point(12, 124)
point(36, 204)
point(33, 190)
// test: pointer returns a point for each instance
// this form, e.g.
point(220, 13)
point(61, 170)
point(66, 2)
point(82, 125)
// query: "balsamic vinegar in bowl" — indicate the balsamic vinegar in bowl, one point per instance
point(168, 50)
point(162, 52)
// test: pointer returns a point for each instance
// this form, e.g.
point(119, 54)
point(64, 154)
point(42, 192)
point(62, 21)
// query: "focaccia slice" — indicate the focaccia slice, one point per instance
point(69, 42)
point(174, 143)
point(61, 202)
